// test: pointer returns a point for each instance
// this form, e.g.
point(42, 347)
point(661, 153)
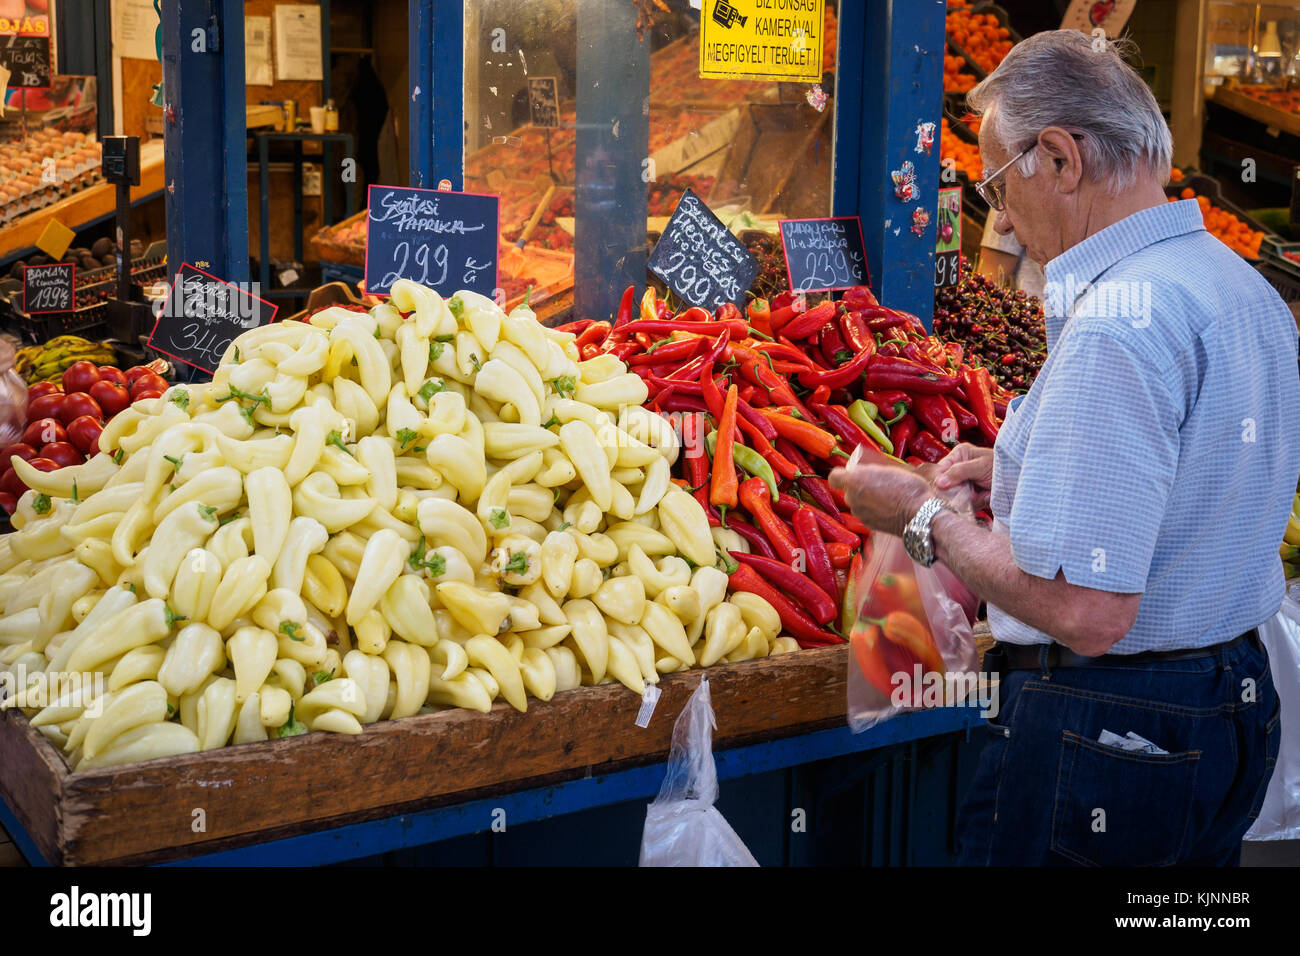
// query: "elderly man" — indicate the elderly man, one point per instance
point(1139, 490)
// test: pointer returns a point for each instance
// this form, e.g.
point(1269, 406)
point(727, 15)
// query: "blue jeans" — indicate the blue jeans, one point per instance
point(1047, 793)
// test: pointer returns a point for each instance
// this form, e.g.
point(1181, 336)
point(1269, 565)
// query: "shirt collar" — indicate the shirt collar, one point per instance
point(1068, 273)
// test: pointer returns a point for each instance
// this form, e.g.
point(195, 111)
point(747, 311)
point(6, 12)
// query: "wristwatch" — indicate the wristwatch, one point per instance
point(916, 536)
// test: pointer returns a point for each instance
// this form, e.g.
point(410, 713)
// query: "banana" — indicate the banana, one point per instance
point(1292, 535)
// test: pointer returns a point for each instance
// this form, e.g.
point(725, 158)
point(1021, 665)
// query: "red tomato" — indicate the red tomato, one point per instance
point(84, 434)
point(146, 393)
point(11, 484)
point(78, 404)
point(111, 396)
point(25, 452)
point(80, 376)
point(42, 431)
point(61, 453)
point(108, 373)
point(135, 371)
point(43, 388)
point(8, 502)
point(46, 406)
point(148, 381)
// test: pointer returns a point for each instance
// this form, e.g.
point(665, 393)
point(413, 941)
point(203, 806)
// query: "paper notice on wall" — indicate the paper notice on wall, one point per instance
point(1108, 16)
point(257, 51)
point(135, 22)
point(4, 89)
point(297, 42)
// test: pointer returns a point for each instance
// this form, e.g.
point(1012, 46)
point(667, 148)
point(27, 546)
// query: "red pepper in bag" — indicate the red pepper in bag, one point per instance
point(840, 554)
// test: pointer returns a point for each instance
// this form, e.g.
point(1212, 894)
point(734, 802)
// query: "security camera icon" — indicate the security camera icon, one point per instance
point(724, 14)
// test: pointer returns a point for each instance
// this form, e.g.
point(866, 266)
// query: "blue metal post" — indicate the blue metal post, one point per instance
point(205, 132)
point(436, 112)
point(901, 48)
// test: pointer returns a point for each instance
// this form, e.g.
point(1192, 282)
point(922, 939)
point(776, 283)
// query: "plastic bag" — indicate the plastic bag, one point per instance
point(911, 645)
point(682, 826)
point(1279, 818)
point(13, 398)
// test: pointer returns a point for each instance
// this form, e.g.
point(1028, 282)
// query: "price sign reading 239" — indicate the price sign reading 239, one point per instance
point(444, 240)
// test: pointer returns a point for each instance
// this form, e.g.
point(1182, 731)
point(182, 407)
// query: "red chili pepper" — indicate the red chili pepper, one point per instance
point(752, 535)
point(822, 494)
point(785, 307)
point(888, 372)
point(727, 312)
point(710, 392)
point(803, 433)
point(755, 499)
point(722, 487)
point(662, 312)
point(677, 402)
point(841, 424)
point(594, 334)
point(934, 413)
point(695, 314)
point(858, 297)
point(806, 592)
point(749, 414)
point(844, 375)
point(756, 369)
point(626, 308)
point(841, 554)
point(747, 393)
point(799, 624)
point(791, 451)
point(809, 537)
point(917, 354)
point(802, 326)
point(820, 396)
point(644, 340)
point(830, 343)
point(624, 350)
point(856, 332)
point(929, 448)
point(697, 458)
point(976, 383)
point(784, 350)
point(955, 353)
point(759, 314)
point(661, 327)
point(669, 352)
point(966, 419)
point(715, 350)
point(576, 327)
point(900, 433)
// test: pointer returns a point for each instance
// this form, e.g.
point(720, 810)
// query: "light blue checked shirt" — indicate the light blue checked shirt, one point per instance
point(1158, 449)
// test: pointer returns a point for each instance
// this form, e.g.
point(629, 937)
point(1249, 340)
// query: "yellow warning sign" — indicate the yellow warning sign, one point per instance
point(55, 239)
point(762, 39)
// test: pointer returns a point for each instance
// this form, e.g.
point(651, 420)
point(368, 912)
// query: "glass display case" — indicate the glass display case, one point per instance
point(1253, 42)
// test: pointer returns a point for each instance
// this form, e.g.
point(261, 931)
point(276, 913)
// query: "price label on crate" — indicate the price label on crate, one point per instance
point(27, 59)
point(441, 239)
point(822, 255)
point(699, 258)
point(51, 288)
point(947, 249)
point(544, 102)
point(202, 315)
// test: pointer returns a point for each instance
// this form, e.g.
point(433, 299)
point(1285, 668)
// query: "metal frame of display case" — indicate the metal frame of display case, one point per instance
point(889, 83)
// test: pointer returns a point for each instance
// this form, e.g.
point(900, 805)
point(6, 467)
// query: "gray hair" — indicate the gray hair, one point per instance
point(1066, 78)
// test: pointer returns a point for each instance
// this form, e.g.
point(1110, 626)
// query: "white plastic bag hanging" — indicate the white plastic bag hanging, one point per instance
point(1279, 818)
point(682, 826)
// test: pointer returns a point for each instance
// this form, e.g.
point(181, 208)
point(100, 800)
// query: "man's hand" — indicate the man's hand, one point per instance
point(883, 497)
point(966, 463)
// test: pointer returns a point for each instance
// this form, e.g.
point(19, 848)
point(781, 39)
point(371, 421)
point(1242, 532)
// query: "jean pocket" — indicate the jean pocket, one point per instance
point(1272, 743)
point(1121, 808)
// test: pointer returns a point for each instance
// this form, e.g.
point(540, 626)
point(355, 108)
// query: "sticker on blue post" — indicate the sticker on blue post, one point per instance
point(904, 181)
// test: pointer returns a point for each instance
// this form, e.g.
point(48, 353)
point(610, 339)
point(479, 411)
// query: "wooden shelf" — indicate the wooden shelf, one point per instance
point(85, 206)
point(1250, 107)
point(251, 793)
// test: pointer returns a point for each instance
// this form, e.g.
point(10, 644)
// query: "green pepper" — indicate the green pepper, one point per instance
point(864, 414)
point(750, 460)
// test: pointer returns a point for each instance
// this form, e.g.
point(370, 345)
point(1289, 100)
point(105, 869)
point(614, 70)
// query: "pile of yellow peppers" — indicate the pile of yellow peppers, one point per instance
point(360, 518)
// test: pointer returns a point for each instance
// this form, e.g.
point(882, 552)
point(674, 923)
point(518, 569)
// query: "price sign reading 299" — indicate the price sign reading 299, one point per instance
point(444, 240)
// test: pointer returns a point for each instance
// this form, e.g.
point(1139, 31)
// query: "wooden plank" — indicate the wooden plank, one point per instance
point(79, 208)
point(1260, 112)
point(253, 792)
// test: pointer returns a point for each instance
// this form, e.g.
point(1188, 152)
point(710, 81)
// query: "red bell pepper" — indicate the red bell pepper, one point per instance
point(858, 297)
point(856, 332)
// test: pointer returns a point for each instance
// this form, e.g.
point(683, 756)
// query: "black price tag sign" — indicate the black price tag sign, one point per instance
point(202, 315)
point(824, 255)
point(51, 288)
point(444, 240)
point(28, 61)
point(544, 101)
point(947, 249)
point(699, 258)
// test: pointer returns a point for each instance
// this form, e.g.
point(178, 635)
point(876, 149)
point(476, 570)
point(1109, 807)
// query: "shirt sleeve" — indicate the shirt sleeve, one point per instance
point(1098, 466)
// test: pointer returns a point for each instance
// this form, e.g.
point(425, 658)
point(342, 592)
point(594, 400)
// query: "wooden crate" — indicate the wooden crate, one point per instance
point(328, 249)
point(149, 812)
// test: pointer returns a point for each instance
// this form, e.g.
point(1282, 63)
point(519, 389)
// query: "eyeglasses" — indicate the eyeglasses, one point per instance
point(993, 188)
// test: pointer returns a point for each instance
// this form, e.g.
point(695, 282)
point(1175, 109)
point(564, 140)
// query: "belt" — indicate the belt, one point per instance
point(1030, 656)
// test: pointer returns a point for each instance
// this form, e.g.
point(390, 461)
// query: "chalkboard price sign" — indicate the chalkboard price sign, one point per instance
point(202, 315)
point(444, 240)
point(28, 61)
point(51, 288)
point(699, 258)
point(544, 102)
point(823, 255)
